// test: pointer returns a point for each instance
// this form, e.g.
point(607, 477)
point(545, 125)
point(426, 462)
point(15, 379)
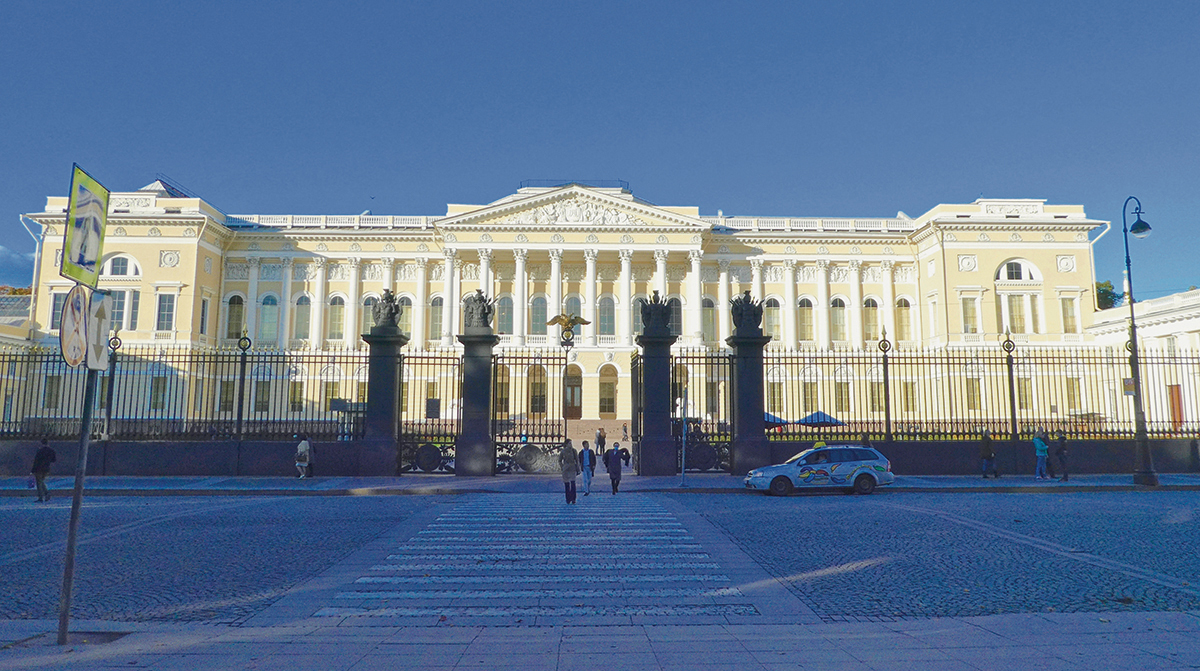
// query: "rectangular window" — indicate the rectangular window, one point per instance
point(1024, 393)
point(838, 326)
point(262, 395)
point(501, 402)
point(775, 398)
point(56, 307)
point(51, 392)
point(811, 401)
point(166, 313)
point(135, 298)
point(537, 396)
point(435, 321)
point(1073, 396)
point(361, 392)
point(805, 314)
point(908, 397)
point(1070, 323)
point(973, 392)
point(329, 392)
point(608, 397)
point(608, 316)
point(970, 315)
point(877, 399)
point(296, 396)
point(158, 393)
point(204, 316)
point(118, 310)
point(712, 398)
point(433, 405)
point(226, 396)
point(1016, 313)
point(841, 393)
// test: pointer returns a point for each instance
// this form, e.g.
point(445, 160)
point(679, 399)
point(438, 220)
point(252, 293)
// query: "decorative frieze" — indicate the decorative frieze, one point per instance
point(237, 271)
point(572, 211)
point(271, 272)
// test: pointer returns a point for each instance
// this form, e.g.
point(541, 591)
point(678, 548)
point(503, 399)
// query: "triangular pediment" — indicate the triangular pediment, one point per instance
point(574, 206)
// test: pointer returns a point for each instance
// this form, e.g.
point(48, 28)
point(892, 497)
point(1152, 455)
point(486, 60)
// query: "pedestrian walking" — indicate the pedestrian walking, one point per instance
point(625, 432)
point(303, 455)
point(41, 469)
point(1060, 453)
point(612, 462)
point(587, 467)
point(601, 439)
point(1040, 449)
point(987, 455)
point(568, 464)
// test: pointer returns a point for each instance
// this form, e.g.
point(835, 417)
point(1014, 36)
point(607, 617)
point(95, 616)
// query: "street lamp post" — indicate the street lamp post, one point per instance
point(1143, 473)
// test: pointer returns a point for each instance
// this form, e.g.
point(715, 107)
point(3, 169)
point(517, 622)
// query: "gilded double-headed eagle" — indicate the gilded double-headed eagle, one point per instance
point(567, 322)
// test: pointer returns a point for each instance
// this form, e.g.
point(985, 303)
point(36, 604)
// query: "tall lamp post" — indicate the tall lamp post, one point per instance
point(1143, 473)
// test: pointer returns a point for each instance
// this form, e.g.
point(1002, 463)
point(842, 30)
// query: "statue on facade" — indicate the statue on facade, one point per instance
point(747, 315)
point(656, 316)
point(386, 311)
point(478, 310)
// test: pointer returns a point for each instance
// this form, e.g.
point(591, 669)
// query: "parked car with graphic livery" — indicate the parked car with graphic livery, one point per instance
point(854, 468)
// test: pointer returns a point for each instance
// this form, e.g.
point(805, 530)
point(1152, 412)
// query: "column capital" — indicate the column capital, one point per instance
point(320, 262)
point(449, 252)
point(354, 262)
point(823, 265)
point(887, 266)
point(254, 261)
point(756, 264)
point(626, 255)
point(520, 255)
point(695, 255)
point(789, 264)
point(420, 262)
point(660, 255)
point(855, 266)
point(724, 265)
point(555, 254)
point(287, 262)
point(590, 255)
point(485, 255)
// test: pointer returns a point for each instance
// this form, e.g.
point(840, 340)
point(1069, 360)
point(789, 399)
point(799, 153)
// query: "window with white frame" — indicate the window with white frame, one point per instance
point(203, 316)
point(235, 318)
point(57, 301)
point(404, 321)
point(904, 320)
point(335, 322)
point(837, 319)
point(970, 314)
point(871, 319)
point(368, 313)
point(1070, 317)
point(435, 318)
point(804, 313)
point(675, 316)
point(538, 316)
point(165, 314)
point(708, 320)
point(268, 319)
point(771, 321)
point(606, 317)
point(504, 316)
point(303, 315)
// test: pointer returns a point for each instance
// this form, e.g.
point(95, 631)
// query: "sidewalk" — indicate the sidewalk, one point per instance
point(706, 483)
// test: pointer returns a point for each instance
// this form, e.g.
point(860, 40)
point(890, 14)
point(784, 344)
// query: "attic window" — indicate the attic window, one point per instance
point(963, 216)
point(174, 210)
point(121, 211)
point(1012, 216)
point(1060, 216)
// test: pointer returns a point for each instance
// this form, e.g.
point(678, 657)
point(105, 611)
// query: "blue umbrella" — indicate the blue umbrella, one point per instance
point(776, 419)
point(819, 419)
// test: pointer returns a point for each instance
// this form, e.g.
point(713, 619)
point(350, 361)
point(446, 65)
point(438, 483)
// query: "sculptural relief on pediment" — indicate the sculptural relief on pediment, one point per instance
point(572, 211)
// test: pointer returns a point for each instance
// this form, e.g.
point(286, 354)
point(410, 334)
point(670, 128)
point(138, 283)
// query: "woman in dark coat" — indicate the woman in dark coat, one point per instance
point(568, 463)
point(612, 462)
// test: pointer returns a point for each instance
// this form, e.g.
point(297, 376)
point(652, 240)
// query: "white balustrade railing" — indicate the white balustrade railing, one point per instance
point(328, 221)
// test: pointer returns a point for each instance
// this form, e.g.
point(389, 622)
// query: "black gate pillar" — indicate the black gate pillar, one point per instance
point(750, 447)
point(475, 453)
point(384, 365)
point(659, 453)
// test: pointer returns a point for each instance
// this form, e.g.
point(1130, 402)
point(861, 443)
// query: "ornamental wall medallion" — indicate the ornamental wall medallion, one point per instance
point(627, 239)
point(696, 239)
point(389, 247)
point(888, 250)
point(855, 250)
point(355, 247)
point(168, 258)
point(422, 247)
point(967, 263)
point(48, 231)
point(120, 231)
point(189, 232)
point(984, 237)
point(253, 246)
point(521, 237)
point(789, 250)
point(486, 237)
point(950, 237)
point(288, 246)
point(1048, 238)
point(322, 247)
point(1015, 237)
point(723, 249)
point(822, 250)
point(592, 239)
point(1066, 264)
point(450, 237)
point(662, 240)
point(556, 238)
point(154, 232)
point(1081, 237)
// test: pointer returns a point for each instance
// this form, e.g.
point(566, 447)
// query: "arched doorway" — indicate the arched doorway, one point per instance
point(573, 393)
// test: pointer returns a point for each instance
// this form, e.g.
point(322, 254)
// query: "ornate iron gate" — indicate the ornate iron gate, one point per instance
point(528, 424)
point(702, 403)
point(429, 414)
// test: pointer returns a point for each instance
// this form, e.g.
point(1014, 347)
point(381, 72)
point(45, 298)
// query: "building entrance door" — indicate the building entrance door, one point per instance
point(573, 393)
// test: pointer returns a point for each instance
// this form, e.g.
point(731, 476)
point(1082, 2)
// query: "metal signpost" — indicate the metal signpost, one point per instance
point(83, 338)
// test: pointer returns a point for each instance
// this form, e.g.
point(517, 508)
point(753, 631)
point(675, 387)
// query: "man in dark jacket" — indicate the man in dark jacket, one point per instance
point(987, 455)
point(612, 462)
point(587, 463)
point(41, 469)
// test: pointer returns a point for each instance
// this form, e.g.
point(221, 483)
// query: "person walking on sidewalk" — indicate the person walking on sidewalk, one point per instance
point(987, 455)
point(41, 469)
point(625, 431)
point(568, 464)
point(1060, 453)
point(587, 467)
point(1041, 450)
point(612, 462)
point(303, 455)
point(601, 439)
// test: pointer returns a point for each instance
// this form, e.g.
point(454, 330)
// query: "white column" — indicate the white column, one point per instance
point(456, 324)
point(316, 315)
point(1030, 323)
point(756, 280)
point(889, 301)
point(822, 308)
point(660, 272)
point(724, 319)
point(625, 313)
point(389, 275)
point(789, 304)
point(285, 303)
point(449, 300)
point(856, 305)
point(520, 297)
point(589, 297)
point(353, 300)
point(1006, 326)
point(251, 299)
point(420, 303)
point(485, 272)
point(554, 300)
point(695, 298)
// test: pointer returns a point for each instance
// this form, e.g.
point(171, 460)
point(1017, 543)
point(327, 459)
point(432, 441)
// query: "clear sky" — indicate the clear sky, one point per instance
point(756, 108)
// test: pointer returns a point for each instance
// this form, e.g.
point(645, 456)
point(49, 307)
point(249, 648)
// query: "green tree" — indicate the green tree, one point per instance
point(6, 290)
point(1107, 296)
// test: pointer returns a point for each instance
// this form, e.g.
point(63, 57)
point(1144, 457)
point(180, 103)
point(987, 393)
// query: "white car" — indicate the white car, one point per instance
point(854, 468)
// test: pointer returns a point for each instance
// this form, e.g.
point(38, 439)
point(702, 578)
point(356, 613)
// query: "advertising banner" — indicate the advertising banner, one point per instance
point(83, 239)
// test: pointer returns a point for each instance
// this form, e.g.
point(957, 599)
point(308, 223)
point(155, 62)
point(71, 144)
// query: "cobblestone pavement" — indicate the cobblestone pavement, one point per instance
point(884, 558)
point(181, 559)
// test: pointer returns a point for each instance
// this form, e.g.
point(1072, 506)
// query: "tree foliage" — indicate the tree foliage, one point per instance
point(1107, 296)
point(6, 290)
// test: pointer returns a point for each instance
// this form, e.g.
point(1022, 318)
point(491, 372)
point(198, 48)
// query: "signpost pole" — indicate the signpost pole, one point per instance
point(64, 601)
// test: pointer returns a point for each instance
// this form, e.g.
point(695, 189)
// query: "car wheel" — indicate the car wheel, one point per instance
point(781, 486)
point(864, 484)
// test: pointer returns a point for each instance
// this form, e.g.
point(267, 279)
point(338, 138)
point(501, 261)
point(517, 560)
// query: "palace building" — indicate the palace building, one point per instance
point(185, 275)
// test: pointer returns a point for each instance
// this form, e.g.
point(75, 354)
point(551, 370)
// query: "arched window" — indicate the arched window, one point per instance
point(675, 323)
point(303, 314)
point(573, 306)
point(608, 392)
point(504, 316)
point(368, 316)
point(538, 316)
point(708, 319)
point(1017, 270)
point(404, 319)
point(435, 318)
point(268, 320)
point(903, 320)
point(837, 319)
point(235, 320)
point(335, 322)
point(771, 320)
point(871, 319)
point(606, 317)
point(804, 312)
point(120, 266)
point(573, 393)
point(536, 381)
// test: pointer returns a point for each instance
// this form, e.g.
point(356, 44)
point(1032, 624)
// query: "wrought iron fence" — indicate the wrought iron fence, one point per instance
point(957, 393)
point(702, 402)
point(430, 412)
point(529, 425)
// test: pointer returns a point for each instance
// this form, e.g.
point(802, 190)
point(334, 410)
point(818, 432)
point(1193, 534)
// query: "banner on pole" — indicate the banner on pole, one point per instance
point(83, 237)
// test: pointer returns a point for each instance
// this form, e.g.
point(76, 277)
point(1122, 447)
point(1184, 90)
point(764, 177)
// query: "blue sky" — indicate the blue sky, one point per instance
point(785, 109)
